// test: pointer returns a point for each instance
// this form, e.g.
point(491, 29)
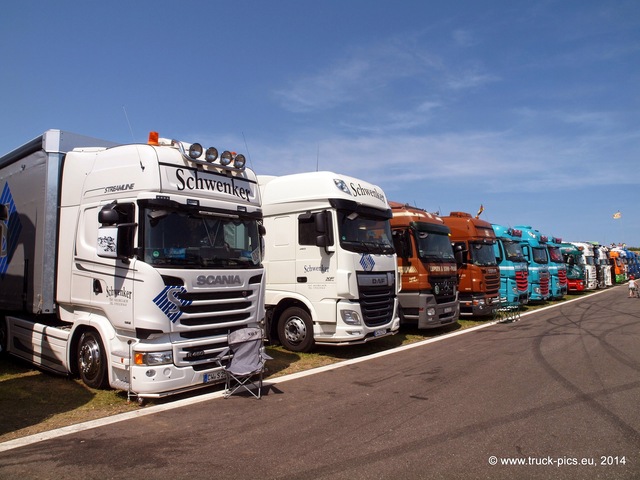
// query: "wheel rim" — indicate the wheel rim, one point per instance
point(89, 358)
point(295, 330)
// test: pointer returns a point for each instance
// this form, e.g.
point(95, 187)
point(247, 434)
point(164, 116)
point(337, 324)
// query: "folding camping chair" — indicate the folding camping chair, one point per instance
point(246, 362)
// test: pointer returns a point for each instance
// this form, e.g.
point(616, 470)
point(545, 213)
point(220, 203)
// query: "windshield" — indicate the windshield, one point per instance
point(540, 255)
point(363, 233)
point(482, 254)
point(191, 239)
point(555, 255)
point(513, 251)
point(434, 246)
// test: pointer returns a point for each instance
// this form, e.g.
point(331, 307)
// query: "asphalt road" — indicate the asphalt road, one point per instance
point(557, 392)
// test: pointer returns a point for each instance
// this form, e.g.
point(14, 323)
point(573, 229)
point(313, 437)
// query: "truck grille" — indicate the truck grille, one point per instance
point(492, 282)
point(544, 285)
point(522, 281)
point(207, 318)
point(562, 277)
point(444, 289)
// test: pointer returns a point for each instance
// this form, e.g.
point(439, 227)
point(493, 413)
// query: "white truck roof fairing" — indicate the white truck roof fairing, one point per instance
point(318, 187)
point(126, 169)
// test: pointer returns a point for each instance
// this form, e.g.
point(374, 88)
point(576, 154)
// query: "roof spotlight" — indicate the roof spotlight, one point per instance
point(211, 155)
point(225, 158)
point(239, 161)
point(195, 150)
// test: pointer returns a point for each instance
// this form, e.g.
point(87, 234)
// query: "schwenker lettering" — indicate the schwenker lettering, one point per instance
point(359, 190)
point(197, 182)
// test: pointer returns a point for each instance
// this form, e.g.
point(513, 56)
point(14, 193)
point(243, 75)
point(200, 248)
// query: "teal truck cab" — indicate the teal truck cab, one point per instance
point(557, 269)
point(537, 256)
point(514, 272)
point(574, 260)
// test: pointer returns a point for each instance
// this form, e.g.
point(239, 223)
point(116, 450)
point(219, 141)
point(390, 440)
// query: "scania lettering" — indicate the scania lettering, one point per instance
point(478, 271)
point(127, 265)
point(329, 259)
point(429, 279)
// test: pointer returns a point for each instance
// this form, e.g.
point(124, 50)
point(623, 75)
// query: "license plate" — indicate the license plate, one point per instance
point(379, 333)
point(448, 309)
point(213, 377)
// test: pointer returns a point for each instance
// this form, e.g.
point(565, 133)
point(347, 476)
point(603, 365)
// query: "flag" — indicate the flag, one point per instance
point(480, 211)
point(617, 215)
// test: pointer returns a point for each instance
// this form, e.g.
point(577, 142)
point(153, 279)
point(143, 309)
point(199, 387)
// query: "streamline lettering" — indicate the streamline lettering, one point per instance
point(359, 190)
point(119, 188)
point(188, 182)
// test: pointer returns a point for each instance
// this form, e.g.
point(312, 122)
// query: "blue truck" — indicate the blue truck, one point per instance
point(514, 271)
point(557, 269)
point(535, 252)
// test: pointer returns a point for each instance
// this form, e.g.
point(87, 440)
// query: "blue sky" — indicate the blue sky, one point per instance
point(531, 109)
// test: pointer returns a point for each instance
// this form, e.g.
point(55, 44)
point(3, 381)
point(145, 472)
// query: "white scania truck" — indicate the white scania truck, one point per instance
point(329, 259)
point(127, 265)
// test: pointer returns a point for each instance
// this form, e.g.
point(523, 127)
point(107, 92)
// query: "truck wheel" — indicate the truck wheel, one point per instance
point(92, 362)
point(295, 330)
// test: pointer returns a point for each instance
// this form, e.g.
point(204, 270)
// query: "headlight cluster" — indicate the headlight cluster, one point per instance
point(153, 358)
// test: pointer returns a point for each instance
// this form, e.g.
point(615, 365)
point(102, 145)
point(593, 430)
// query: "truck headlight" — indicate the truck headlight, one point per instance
point(153, 358)
point(350, 317)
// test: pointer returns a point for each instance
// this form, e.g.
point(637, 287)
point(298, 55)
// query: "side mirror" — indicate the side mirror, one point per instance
point(324, 237)
point(115, 234)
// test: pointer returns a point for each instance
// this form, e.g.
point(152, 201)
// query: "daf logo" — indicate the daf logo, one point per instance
point(218, 280)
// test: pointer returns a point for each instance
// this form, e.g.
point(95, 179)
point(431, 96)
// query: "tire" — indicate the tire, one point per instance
point(91, 360)
point(295, 330)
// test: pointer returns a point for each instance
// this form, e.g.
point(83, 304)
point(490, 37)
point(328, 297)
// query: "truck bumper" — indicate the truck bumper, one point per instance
point(159, 381)
point(478, 306)
point(422, 309)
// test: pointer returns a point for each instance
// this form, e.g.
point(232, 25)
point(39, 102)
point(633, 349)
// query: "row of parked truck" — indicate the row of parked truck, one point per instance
point(128, 265)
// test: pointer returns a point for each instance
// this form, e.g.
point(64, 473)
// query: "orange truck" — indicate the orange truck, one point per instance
point(427, 267)
point(478, 272)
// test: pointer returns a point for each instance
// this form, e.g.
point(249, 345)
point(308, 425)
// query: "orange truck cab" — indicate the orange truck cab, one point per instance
point(478, 272)
point(427, 267)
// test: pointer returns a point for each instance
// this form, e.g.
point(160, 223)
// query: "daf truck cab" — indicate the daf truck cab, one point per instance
point(331, 267)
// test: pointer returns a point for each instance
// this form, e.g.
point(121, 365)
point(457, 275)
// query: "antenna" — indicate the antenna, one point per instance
point(247, 148)
point(132, 138)
point(128, 123)
point(318, 158)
